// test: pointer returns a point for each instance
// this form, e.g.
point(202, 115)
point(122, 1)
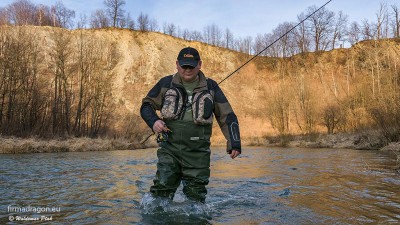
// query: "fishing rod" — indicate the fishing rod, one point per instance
point(268, 46)
point(251, 59)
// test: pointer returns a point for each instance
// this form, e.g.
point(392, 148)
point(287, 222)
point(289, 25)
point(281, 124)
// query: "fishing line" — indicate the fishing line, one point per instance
point(252, 58)
point(283, 35)
point(268, 46)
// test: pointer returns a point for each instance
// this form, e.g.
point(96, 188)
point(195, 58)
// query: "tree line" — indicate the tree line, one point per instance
point(60, 86)
point(325, 30)
point(58, 89)
point(355, 90)
point(63, 89)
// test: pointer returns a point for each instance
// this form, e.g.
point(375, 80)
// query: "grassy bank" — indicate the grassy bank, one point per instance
point(367, 141)
point(35, 145)
point(362, 141)
point(371, 141)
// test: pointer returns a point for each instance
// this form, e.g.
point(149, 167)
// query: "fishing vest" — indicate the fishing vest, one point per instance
point(174, 102)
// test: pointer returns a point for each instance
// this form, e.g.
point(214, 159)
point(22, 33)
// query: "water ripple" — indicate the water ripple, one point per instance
point(265, 186)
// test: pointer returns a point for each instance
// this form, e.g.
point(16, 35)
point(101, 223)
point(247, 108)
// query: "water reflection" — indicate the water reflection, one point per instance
point(264, 186)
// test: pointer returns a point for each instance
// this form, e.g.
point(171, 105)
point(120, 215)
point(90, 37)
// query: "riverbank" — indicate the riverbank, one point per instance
point(34, 145)
point(363, 141)
point(367, 141)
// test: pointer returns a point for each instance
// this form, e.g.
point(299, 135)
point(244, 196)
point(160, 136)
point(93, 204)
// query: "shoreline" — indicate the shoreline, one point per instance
point(13, 145)
point(371, 141)
point(361, 141)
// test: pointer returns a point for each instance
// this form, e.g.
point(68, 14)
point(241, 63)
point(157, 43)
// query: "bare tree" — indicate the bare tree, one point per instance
point(44, 15)
point(170, 29)
point(143, 22)
point(212, 35)
point(196, 36)
point(82, 23)
point(332, 117)
point(368, 31)
point(340, 28)
point(396, 24)
point(273, 50)
point(321, 25)
point(279, 108)
point(244, 45)
point(381, 17)
point(185, 34)
point(62, 16)
point(22, 12)
point(130, 23)
point(115, 11)
point(127, 22)
point(228, 38)
point(102, 104)
point(284, 43)
point(260, 42)
point(354, 33)
point(3, 16)
point(20, 82)
point(61, 68)
point(99, 19)
point(153, 25)
point(85, 63)
point(304, 106)
point(302, 35)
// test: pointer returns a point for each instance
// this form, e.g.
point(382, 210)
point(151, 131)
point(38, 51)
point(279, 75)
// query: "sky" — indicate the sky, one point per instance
point(242, 17)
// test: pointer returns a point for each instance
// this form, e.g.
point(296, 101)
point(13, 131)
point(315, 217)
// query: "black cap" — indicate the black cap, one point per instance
point(188, 57)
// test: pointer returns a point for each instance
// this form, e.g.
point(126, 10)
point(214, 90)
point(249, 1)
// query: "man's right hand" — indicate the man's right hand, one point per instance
point(234, 153)
point(159, 126)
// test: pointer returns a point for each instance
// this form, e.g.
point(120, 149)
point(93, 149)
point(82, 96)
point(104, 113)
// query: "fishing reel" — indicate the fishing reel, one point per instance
point(162, 137)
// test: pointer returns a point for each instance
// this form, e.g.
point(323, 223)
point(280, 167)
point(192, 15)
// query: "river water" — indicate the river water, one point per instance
point(263, 186)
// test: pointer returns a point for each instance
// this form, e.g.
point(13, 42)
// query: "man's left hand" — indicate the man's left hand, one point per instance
point(234, 153)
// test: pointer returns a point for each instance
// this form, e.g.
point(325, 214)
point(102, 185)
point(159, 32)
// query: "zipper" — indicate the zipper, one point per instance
point(185, 100)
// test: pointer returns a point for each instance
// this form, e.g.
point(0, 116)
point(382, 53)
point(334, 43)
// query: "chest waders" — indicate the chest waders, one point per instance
point(184, 157)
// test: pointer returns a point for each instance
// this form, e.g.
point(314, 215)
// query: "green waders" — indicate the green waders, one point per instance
point(184, 157)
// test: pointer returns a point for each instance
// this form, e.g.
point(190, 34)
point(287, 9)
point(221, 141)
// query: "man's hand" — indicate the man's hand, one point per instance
point(234, 153)
point(159, 126)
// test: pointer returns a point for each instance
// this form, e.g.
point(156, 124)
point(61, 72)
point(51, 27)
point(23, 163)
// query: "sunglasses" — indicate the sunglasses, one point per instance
point(187, 67)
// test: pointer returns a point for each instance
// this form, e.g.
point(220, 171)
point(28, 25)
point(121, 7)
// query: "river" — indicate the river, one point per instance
point(263, 186)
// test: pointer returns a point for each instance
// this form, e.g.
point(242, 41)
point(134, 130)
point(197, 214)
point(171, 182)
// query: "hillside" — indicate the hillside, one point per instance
point(270, 96)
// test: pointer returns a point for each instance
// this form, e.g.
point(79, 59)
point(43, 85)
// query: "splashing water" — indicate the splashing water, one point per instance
point(153, 205)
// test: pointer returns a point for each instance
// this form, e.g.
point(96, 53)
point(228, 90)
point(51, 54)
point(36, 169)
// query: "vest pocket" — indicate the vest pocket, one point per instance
point(172, 105)
point(202, 108)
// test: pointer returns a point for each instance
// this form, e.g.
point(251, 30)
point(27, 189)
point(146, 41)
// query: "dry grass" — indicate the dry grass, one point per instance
point(33, 145)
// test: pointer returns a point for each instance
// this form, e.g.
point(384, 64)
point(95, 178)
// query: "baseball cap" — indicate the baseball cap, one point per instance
point(188, 57)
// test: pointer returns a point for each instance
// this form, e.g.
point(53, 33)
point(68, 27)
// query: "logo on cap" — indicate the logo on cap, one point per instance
point(188, 56)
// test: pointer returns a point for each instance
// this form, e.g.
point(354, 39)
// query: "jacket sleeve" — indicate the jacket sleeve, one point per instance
point(227, 120)
point(151, 103)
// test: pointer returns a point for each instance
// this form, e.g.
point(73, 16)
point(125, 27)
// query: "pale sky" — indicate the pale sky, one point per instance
point(242, 17)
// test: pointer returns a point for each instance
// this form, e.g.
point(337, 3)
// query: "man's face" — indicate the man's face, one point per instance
point(188, 73)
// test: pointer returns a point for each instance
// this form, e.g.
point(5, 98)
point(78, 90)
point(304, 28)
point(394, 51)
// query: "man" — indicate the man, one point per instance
point(187, 101)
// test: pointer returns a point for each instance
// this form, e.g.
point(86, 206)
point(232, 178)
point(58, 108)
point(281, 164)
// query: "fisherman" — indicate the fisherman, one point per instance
point(187, 101)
